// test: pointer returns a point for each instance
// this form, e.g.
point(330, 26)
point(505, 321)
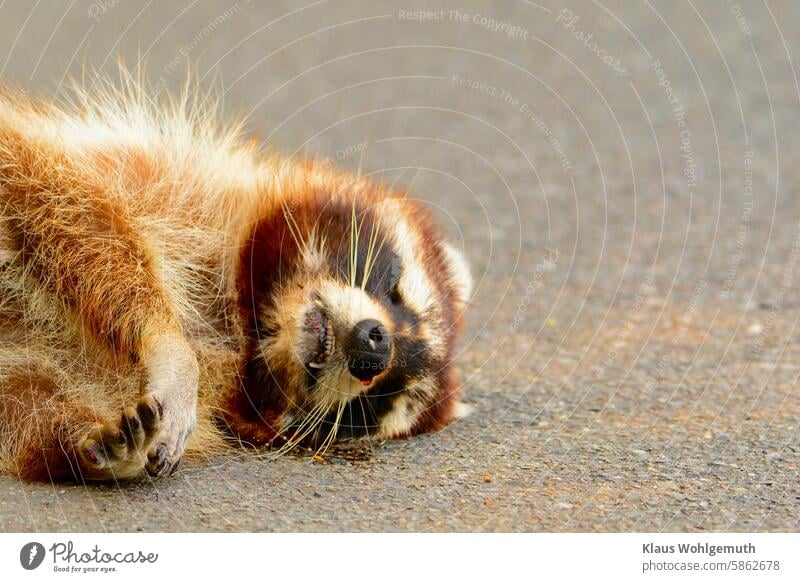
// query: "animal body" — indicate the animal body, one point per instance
point(167, 288)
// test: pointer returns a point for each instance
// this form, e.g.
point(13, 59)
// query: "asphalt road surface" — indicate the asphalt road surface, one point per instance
point(623, 179)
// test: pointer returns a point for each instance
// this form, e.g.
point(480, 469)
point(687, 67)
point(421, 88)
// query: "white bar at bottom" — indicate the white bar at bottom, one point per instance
point(402, 557)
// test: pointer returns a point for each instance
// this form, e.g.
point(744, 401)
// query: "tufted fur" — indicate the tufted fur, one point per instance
point(137, 239)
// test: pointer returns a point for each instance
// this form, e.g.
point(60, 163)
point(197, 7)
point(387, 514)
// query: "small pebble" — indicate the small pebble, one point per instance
point(755, 329)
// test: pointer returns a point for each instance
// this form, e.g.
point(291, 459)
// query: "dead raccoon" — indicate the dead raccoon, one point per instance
point(166, 288)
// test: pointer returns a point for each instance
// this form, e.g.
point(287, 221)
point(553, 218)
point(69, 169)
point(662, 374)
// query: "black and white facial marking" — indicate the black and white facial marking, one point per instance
point(360, 317)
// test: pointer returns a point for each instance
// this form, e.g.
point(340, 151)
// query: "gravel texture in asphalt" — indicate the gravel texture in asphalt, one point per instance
point(622, 178)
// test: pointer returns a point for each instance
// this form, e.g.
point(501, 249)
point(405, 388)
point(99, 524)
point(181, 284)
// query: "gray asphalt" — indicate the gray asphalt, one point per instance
point(628, 202)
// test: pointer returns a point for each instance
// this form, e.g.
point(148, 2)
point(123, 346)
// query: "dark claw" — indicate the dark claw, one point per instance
point(175, 466)
point(101, 448)
point(130, 426)
point(134, 423)
point(158, 464)
point(160, 408)
point(148, 415)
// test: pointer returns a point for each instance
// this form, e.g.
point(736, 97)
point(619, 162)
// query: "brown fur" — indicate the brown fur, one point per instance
point(124, 233)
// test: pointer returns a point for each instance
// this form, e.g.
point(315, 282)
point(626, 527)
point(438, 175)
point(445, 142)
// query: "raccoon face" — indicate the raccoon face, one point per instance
point(357, 306)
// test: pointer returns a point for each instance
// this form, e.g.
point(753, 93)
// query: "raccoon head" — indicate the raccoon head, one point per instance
point(356, 304)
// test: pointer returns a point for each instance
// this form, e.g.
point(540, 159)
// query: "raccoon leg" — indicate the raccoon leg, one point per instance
point(48, 436)
point(78, 239)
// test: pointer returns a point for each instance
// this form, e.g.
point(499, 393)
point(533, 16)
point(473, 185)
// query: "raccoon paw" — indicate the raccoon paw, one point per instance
point(174, 383)
point(177, 422)
point(118, 449)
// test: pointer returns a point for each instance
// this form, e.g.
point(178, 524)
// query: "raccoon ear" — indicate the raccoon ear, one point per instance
point(460, 277)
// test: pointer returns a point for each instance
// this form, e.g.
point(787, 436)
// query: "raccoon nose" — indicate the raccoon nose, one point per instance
point(368, 346)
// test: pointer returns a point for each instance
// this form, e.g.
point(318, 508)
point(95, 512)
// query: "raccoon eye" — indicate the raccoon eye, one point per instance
point(394, 281)
point(394, 296)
